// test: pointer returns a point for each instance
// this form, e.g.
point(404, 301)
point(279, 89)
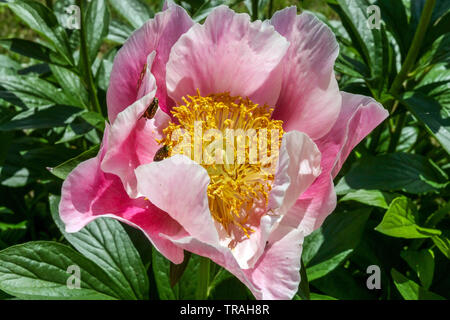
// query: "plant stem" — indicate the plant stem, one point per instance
point(375, 138)
point(397, 131)
point(413, 51)
point(203, 279)
point(270, 9)
point(86, 65)
point(409, 62)
point(49, 4)
point(254, 10)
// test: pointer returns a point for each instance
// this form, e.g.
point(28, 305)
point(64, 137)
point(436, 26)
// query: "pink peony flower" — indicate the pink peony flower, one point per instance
point(229, 73)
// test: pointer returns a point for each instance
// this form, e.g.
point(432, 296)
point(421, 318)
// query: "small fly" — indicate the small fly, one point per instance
point(151, 110)
point(141, 76)
point(161, 154)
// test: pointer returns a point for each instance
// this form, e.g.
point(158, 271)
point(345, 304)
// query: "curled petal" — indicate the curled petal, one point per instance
point(309, 99)
point(132, 141)
point(178, 186)
point(228, 53)
point(159, 35)
point(358, 117)
point(89, 193)
point(298, 166)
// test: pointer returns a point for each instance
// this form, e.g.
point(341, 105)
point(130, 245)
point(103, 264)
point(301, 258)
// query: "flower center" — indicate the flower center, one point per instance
point(237, 142)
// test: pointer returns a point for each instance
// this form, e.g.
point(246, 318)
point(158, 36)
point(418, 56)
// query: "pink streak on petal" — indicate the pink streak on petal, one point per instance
point(309, 99)
point(227, 53)
point(132, 142)
point(158, 34)
point(89, 193)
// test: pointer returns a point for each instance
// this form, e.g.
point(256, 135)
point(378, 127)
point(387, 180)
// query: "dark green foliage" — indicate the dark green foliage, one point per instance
point(393, 191)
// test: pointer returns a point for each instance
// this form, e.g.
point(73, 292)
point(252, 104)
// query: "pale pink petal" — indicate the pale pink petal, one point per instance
point(309, 99)
point(228, 53)
point(89, 193)
point(276, 273)
point(358, 117)
point(159, 35)
point(178, 186)
point(132, 141)
point(148, 83)
point(247, 251)
point(298, 166)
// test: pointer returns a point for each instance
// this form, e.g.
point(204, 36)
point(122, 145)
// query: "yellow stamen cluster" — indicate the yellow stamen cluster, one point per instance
point(236, 186)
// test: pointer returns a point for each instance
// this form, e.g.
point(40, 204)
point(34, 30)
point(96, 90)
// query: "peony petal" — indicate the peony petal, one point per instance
point(159, 35)
point(227, 53)
point(309, 99)
point(298, 167)
point(275, 275)
point(358, 117)
point(132, 141)
point(89, 193)
point(248, 251)
point(178, 186)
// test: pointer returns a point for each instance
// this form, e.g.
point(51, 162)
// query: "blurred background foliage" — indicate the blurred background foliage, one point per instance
point(393, 191)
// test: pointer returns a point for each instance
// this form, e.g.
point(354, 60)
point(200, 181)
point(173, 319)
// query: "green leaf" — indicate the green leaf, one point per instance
point(39, 18)
point(30, 91)
point(323, 268)
point(32, 50)
point(119, 32)
point(11, 226)
point(220, 276)
point(316, 296)
point(161, 270)
point(42, 117)
point(303, 288)
point(342, 284)
point(63, 170)
point(105, 242)
point(177, 270)
point(96, 21)
point(407, 172)
point(371, 43)
point(399, 221)
point(394, 15)
point(72, 86)
point(411, 290)
point(202, 8)
point(187, 286)
point(6, 138)
point(135, 12)
point(374, 198)
point(28, 159)
point(38, 270)
point(7, 63)
point(443, 244)
point(422, 262)
point(326, 248)
point(435, 116)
